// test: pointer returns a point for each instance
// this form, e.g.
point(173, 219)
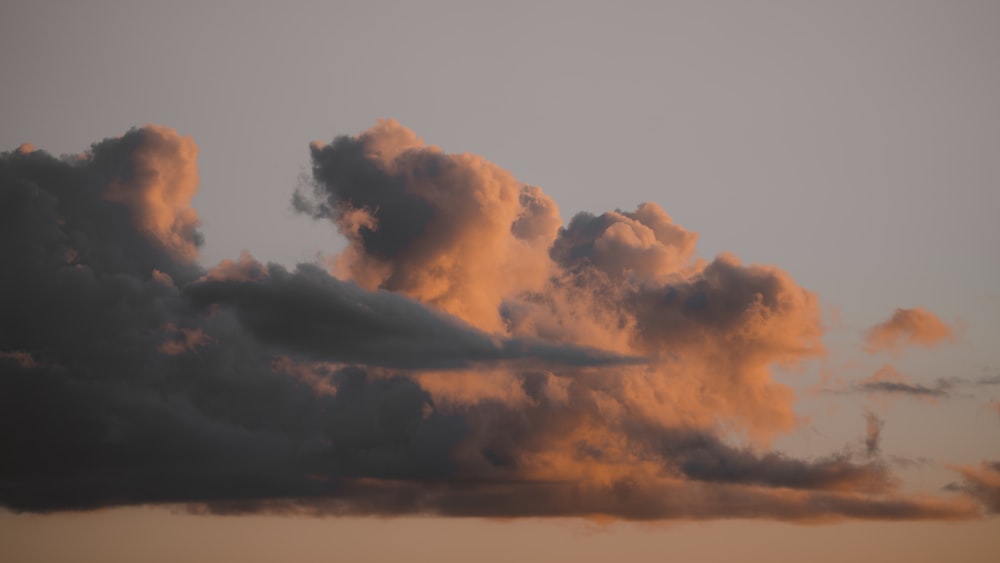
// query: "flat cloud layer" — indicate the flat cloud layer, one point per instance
point(467, 355)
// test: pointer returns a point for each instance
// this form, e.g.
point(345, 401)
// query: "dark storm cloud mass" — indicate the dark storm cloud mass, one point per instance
point(478, 361)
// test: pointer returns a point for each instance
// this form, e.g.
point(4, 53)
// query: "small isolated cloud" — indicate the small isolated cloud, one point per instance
point(908, 327)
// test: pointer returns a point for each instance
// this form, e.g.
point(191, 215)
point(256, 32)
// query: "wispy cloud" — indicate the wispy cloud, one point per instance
point(889, 380)
point(908, 327)
point(903, 388)
point(983, 482)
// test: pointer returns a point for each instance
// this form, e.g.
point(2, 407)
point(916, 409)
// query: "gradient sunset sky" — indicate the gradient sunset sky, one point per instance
point(544, 281)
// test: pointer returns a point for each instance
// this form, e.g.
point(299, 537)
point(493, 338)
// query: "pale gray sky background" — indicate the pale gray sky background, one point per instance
point(855, 144)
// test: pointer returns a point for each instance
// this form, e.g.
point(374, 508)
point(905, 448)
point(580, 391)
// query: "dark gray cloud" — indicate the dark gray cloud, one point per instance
point(311, 313)
point(988, 380)
point(981, 482)
point(899, 387)
point(703, 457)
point(943, 387)
point(702, 477)
point(873, 433)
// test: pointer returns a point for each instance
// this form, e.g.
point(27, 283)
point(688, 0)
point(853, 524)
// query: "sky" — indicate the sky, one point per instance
point(554, 280)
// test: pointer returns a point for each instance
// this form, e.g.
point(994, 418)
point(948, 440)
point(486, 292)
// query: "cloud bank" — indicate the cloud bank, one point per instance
point(466, 355)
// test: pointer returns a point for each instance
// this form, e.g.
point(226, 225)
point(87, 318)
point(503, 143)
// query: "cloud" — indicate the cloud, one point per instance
point(908, 327)
point(22, 359)
point(901, 388)
point(181, 340)
point(467, 355)
point(453, 231)
point(310, 313)
point(644, 245)
point(156, 183)
point(873, 433)
point(889, 380)
point(982, 482)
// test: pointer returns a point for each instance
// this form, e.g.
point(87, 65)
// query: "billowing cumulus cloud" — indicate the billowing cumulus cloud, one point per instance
point(908, 327)
point(466, 355)
point(157, 182)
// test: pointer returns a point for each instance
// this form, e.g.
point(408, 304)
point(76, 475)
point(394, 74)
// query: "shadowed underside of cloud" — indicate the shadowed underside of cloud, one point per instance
point(466, 356)
point(625, 500)
point(888, 380)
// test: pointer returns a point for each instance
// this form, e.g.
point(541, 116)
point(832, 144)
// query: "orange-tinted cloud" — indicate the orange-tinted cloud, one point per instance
point(463, 236)
point(245, 268)
point(479, 359)
point(157, 187)
point(454, 231)
point(317, 375)
point(908, 327)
